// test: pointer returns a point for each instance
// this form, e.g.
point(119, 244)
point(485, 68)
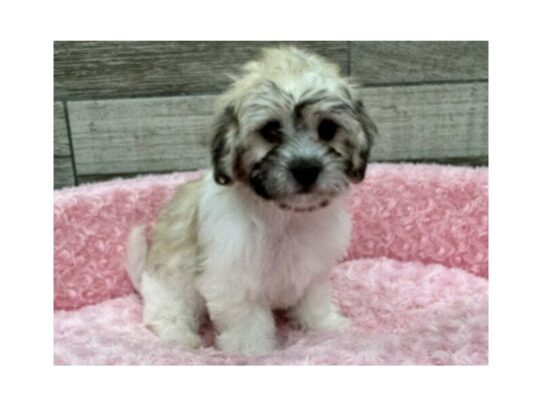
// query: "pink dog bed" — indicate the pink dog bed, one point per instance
point(414, 282)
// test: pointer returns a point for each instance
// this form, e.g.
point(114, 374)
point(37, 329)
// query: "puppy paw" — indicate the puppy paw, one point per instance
point(331, 322)
point(249, 346)
point(327, 322)
point(188, 340)
point(180, 336)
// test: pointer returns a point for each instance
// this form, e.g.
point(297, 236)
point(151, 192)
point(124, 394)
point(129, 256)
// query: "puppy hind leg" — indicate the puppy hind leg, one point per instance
point(173, 309)
point(137, 252)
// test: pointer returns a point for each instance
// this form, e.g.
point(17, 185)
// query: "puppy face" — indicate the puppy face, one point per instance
point(292, 131)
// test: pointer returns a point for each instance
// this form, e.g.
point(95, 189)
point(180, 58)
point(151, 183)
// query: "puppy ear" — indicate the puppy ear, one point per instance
point(360, 157)
point(367, 124)
point(222, 149)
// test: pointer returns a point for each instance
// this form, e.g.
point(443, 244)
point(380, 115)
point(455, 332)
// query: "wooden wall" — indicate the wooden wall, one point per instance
point(125, 108)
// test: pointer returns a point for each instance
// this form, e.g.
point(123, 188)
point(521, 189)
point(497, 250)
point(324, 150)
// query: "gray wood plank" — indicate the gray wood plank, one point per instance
point(430, 122)
point(63, 169)
point(86, 179)
point(474, 161)
point(141, 135)
point(93, 70)
point(425, 122)
point(413, 61)
point(61, 143)
point(63, 172)
point(481, 161)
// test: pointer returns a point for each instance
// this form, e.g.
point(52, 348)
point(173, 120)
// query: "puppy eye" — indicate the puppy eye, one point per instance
point(327, 129)
point(271, 131)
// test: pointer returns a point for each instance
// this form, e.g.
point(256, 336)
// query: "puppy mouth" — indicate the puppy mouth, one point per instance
point(303, 200)
point(298, 208)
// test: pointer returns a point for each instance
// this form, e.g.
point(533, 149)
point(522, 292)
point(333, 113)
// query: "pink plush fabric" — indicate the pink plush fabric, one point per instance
point(414, 283)
point(435, 214)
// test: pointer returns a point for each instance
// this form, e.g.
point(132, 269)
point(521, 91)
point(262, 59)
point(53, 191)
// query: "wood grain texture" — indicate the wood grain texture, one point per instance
point(93, 70)
point(413, 61)
point(481, 161)
point(425, 122)
point(63, 169)
point(92, 178)
point(62, 146)
point(63, 172)
point(429, 122)
point(141, 135)
point(474, 161)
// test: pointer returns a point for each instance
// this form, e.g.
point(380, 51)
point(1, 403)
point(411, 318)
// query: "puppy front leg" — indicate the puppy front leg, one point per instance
point(244, 327)
point(316, 310)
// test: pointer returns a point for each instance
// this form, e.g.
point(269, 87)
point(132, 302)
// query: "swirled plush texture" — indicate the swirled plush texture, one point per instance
point(431, 213)
point(414, 282)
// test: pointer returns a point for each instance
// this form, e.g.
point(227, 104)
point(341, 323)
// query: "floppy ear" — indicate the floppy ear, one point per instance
point(222, 149)
point(367, 124)
point(360, 157)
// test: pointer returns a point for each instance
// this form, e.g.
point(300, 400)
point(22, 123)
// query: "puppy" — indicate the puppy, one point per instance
point(264, 229)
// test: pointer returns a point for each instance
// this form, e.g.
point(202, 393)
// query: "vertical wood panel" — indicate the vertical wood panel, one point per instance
point(62, 146)
point(63, 172)
point(63, 169)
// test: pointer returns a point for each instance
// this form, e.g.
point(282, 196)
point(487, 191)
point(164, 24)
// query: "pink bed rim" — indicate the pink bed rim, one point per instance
point(414, 282)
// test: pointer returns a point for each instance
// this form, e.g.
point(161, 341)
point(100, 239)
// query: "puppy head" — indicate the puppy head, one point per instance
point(292, 130)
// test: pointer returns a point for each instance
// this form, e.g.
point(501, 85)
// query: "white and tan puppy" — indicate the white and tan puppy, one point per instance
point(264, 229)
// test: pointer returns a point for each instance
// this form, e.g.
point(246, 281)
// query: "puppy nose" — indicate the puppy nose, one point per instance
point(306, 171)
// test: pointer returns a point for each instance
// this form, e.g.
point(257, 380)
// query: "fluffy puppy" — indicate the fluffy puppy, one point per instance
point(264, 228)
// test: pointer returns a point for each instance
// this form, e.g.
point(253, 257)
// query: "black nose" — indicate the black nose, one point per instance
point(306, 171)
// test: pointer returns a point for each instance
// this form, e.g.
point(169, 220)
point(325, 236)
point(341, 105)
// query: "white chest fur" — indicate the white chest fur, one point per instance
point(255, 251)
